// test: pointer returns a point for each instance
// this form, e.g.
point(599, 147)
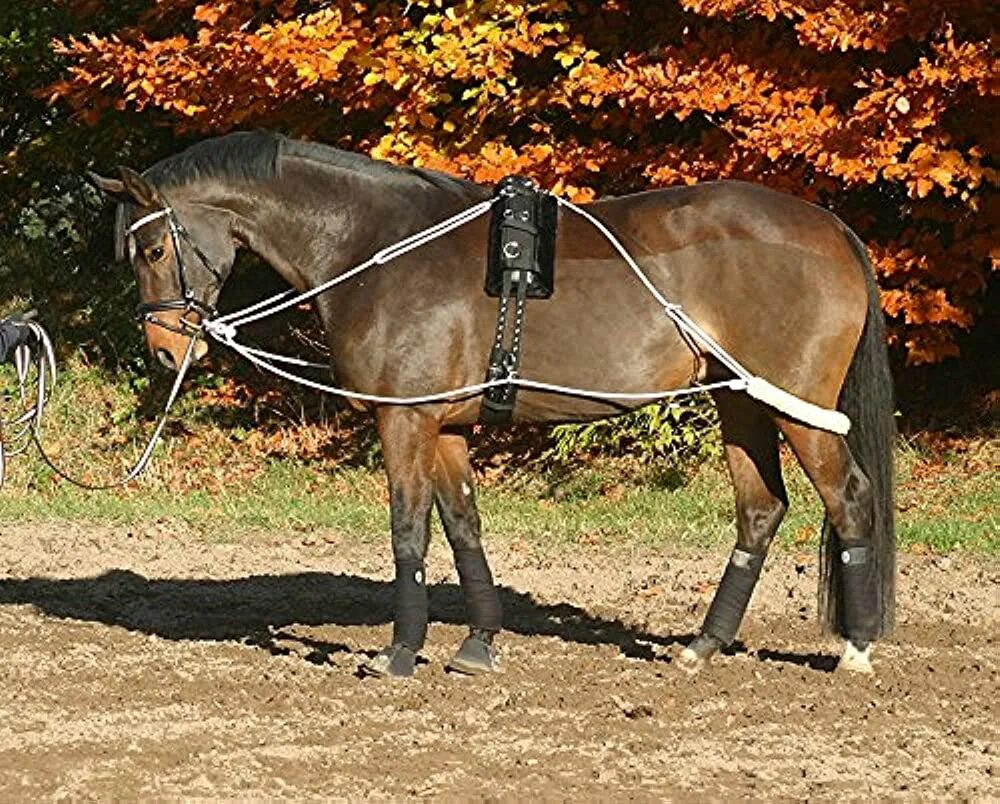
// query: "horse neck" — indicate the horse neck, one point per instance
point(317, 221)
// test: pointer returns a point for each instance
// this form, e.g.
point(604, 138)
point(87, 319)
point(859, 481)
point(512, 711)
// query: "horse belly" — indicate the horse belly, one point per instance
point(601, 331)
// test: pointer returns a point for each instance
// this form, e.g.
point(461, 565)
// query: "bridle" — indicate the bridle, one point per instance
point(188, 301)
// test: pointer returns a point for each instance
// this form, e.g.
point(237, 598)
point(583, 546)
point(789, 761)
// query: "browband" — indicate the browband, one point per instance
point(152, 216)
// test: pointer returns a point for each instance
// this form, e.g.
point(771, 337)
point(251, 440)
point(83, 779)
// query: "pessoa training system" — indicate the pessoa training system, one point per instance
point(502, 379)
point(224, 329)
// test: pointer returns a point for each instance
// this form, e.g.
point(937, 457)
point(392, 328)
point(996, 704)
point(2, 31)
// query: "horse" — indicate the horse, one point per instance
point(784, 286)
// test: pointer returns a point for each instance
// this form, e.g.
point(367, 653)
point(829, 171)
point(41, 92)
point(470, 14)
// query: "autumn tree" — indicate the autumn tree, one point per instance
point(53, 225)
point(884, 112)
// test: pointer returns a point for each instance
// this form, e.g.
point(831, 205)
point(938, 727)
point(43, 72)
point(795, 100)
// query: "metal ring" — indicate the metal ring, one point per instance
point(512, 249)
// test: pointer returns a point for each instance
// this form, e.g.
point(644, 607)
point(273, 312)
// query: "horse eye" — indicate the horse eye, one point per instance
point(156, 253)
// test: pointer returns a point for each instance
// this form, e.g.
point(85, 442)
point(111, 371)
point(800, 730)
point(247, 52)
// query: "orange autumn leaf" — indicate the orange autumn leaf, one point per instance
point(879, 111)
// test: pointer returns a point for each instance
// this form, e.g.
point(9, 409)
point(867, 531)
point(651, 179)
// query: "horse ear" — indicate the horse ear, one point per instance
point(113, 188)
point(144, 193)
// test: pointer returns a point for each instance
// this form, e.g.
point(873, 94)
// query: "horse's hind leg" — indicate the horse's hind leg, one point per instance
point(847, 496)
point(751, 445)
point(409, 445)
point(454, 496)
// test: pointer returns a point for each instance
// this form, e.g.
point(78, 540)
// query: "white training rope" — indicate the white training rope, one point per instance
point(387, 254)
point(673, 310)
point(225, 329)
point(16, 434)
point(28, 425)
point(261, 359)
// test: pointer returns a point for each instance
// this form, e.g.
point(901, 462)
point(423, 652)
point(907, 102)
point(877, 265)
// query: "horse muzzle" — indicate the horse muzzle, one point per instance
point(169, 334)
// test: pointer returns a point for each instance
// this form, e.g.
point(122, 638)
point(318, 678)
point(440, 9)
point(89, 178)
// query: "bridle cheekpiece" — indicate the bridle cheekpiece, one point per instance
point(188, 301)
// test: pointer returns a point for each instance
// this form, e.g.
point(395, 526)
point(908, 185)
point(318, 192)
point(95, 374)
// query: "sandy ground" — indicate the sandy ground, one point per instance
point(147, 662)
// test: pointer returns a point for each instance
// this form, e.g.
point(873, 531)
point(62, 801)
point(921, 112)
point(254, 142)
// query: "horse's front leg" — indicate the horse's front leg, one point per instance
point(454, 495)
point(409, 441)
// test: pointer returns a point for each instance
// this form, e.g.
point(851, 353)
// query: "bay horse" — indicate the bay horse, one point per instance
point(782, 285)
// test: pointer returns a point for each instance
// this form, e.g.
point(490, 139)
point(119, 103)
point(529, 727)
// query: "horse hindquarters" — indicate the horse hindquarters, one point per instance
point(854, 477)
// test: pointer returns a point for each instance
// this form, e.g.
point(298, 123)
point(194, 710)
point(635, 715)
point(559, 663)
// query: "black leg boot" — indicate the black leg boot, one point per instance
point(726, 612)
point(482, 603)
point(409, 629)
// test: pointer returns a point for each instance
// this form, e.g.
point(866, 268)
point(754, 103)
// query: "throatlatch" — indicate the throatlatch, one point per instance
point(521, 263)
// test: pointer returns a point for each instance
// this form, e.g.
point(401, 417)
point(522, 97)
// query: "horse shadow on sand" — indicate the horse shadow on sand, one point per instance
point(255, 609)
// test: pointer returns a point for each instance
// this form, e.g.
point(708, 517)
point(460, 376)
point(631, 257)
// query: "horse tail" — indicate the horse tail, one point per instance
point(867, 399)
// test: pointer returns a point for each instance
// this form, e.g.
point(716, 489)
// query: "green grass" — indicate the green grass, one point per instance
point(282, 497)
point(955, 512)
point(213, 477)
point(950, 501)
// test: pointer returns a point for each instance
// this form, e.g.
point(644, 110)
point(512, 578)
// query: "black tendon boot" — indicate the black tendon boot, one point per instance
point(726, 612)
point(860, 604)
point(410, 626)
point(482, 603)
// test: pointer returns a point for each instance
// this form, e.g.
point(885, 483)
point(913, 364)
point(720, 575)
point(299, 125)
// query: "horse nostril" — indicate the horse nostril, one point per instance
point(166, 359)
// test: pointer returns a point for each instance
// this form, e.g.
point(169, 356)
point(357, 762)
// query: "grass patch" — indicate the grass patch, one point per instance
point(948, 510)
point(235, 463)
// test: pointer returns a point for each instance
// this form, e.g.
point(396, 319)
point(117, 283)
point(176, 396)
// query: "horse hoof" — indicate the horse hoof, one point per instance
point(690, 662)
point(694, 658)
point(475, 657)
point(395, 661)
point(856, 660)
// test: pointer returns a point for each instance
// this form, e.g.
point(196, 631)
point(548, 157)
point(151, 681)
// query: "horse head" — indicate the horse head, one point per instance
point(181, 252)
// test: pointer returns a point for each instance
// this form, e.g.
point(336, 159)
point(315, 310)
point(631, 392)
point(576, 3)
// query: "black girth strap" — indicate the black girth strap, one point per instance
point(505, 360)
point(521, 266)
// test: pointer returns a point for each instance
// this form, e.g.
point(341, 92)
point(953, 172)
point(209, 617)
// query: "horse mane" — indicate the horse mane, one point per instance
point(366, 166)
point(255, 155)
point(242, 155)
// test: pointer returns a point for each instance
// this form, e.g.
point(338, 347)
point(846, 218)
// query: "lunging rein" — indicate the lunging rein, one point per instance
point(25, 429)
point(224, 329)
point(17, 433)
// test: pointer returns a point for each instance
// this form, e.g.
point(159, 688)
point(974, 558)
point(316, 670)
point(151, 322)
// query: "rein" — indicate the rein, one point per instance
point(224, 329)
point(27, 428)
point(142, 463)
point(17, 434)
